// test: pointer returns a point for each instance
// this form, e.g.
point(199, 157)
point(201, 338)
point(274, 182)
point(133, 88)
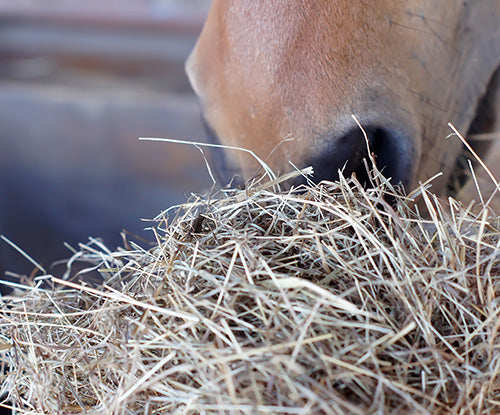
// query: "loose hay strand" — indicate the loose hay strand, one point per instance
point(269, 172)
point(326, 300)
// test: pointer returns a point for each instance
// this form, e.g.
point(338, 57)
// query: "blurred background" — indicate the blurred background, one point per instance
point(80, 81)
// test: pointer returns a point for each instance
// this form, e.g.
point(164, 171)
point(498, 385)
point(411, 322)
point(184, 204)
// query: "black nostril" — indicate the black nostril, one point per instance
point(345, 153)
point(394, 155)
point(392, 152)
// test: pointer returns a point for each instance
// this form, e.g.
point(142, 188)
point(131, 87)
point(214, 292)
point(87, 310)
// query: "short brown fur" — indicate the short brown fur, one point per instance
point(283, 78)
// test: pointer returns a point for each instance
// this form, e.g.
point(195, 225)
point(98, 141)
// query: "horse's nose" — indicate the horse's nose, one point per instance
point(391, 149)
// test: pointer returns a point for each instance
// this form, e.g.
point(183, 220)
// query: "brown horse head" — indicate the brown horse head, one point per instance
point(284, 78)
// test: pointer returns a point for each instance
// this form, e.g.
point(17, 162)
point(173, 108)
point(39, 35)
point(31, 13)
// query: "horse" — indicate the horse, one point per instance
point(319, 82)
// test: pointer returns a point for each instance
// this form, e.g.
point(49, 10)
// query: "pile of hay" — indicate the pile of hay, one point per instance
point(324, 301)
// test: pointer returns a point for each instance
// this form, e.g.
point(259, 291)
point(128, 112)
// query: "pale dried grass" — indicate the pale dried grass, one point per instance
point(326, 300)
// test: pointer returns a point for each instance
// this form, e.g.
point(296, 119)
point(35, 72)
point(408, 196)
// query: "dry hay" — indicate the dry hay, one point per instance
point(324, 301)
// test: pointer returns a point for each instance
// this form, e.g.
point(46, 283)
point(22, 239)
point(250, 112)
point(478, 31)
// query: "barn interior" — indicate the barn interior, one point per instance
point(79, 83)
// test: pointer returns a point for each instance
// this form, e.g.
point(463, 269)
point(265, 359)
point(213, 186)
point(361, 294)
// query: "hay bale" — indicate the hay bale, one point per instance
point(324, 301)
